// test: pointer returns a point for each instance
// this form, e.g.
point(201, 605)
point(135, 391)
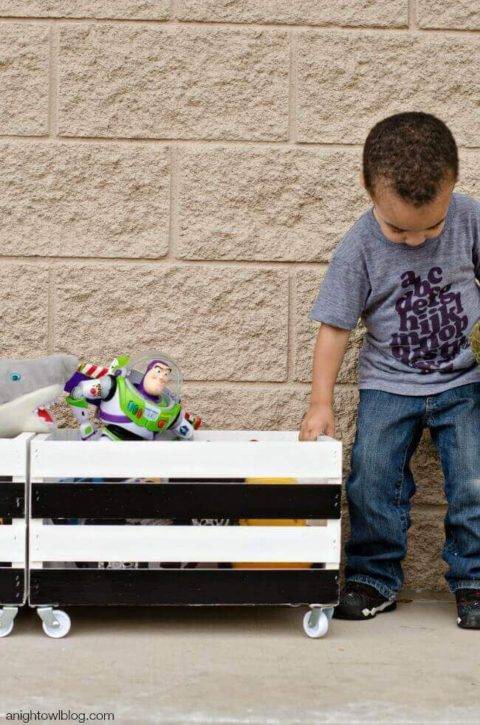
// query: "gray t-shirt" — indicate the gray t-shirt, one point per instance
point(417, 303)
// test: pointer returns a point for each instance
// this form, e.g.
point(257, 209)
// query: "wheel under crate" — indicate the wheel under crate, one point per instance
point(280, 496)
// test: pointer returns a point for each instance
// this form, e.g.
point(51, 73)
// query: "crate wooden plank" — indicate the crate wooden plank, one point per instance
point(12, 500)
point(239, 454)
point(13, 455)
point(12, 542)
point(12, 586)
point(184, 500)
point(49, 543)
point(64, 587)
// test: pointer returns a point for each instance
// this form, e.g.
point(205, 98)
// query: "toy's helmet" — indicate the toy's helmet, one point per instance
point(139, 365)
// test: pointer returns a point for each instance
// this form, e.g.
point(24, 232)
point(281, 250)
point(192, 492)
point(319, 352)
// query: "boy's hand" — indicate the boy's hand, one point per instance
point(318, 420)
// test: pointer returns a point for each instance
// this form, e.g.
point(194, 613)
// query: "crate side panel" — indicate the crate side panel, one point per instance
point(12, 586)
point(12, 543)
point(12, 500)
point(13, 456)
point(184, 500)
point(182, 587)
point(200, 459)
point(49, 543)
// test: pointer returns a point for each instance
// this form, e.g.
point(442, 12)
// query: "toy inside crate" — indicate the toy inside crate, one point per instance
point(13, 476)
point(280, 497)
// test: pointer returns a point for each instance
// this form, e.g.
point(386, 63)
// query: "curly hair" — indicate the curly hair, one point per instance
point(413, 153)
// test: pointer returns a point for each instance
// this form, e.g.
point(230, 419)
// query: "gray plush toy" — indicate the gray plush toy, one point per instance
point(27, 388)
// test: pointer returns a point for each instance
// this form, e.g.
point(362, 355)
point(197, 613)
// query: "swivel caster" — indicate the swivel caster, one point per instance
point(7, 616)
point(55, 622)
point(315, 623)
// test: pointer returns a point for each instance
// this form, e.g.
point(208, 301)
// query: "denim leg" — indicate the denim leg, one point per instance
point(380, 486)
point(454, 422)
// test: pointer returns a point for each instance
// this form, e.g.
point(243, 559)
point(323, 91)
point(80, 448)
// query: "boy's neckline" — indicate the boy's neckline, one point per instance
point(377, 231)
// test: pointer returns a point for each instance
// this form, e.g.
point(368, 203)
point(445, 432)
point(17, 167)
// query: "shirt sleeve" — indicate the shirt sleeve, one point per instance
point(342, 296)
point(476, 238)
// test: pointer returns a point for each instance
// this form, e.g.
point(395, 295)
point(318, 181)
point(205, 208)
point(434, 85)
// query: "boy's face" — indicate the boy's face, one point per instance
point(404, 223)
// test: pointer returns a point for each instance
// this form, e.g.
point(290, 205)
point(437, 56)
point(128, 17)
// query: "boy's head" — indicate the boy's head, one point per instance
point(410, 167)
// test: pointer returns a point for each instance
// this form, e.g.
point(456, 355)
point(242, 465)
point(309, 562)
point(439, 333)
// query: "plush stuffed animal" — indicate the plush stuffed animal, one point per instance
point(27, 388)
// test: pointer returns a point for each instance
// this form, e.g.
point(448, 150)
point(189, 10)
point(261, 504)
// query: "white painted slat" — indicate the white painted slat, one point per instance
point(233, 455)
point(185, 543)
point(12, 543)
point(14, 464)
point(13, 455)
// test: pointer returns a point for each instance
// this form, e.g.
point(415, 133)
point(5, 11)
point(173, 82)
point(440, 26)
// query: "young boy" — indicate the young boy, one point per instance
point(408, 267)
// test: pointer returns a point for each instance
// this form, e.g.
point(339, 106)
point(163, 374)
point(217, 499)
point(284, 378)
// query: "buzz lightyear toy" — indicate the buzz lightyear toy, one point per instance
point(132, 399)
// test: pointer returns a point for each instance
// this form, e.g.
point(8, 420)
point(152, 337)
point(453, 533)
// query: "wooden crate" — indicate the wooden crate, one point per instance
point(204, 478)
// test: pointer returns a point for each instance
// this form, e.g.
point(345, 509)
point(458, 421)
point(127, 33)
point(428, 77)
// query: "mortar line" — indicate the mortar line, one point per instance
point(194, 143)
point(175, 24)
point(294, 385)
point(468, 32)
point(53, 82)
point(161, 141)
point(252, 264)
point(173, 216)
point(50, 312)
point(292, 87)
point(432, 508)
point(412, 15)
point(198, 143)
point(291, 313)
point(50, 71)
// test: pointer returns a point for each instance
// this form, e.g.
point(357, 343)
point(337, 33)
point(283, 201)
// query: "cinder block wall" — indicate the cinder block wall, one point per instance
point(176, 174)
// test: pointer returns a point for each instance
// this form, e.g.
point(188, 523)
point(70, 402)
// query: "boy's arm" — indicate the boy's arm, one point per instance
point(330, 348)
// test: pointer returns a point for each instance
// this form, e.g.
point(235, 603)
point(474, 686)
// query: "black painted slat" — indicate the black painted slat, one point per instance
point(12, 500)
point(156, 587)
point(185, 500)
point(12, 585)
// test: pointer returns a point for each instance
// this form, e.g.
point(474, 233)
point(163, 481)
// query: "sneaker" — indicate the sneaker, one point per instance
point(361, 601)
point(468, 608)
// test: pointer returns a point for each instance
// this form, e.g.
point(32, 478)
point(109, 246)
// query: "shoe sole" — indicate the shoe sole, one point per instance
point(468, 623)
point(372, 613)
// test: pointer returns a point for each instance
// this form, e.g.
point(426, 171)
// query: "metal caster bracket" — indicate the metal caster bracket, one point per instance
point(47, 615)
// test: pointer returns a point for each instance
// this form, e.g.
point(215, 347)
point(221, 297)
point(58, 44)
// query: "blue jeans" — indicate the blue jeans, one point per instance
point(381, 484)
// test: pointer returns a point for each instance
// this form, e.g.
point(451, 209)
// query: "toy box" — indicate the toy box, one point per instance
point(212, 477)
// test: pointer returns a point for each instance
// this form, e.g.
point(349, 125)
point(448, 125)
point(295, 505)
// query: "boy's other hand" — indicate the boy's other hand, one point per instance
point(318, 420)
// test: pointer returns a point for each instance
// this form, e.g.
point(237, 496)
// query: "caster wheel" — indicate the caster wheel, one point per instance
point(315, 624)
point(6, 629)
point(60, 627)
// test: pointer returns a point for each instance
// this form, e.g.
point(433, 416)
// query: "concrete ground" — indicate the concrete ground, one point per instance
point(244, 665)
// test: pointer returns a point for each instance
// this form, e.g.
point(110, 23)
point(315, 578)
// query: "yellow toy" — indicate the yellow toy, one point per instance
point(272, 522)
